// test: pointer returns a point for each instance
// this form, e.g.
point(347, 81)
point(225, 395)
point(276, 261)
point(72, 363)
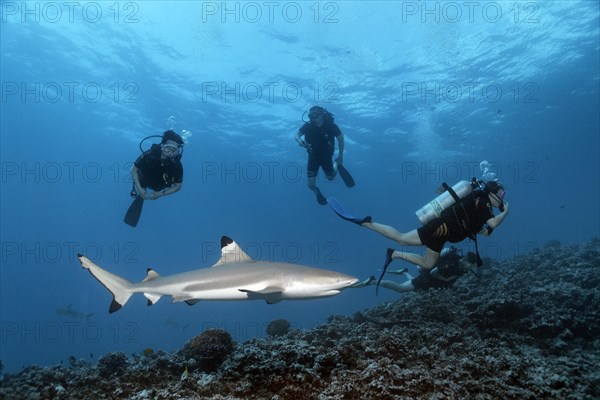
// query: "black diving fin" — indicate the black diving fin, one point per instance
point(134, 212)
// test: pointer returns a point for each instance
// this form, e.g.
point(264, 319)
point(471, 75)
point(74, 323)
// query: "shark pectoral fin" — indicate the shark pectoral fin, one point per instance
point(270, 294)
point(186, 298)
point(152, 298)
point(192, 302)
point(267, 290)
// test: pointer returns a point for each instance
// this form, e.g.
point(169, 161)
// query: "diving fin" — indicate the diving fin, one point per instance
point(320, 198)
point(388, 261)
point(134, 212)
point(339, 209)
point(345, 175)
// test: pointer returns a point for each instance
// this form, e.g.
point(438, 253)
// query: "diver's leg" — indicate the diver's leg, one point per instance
point(410, 238)
point(311, 183)
point(398, 287)
point(404, 272)
point(312, 169)
point(327, 165)
point(426, 261)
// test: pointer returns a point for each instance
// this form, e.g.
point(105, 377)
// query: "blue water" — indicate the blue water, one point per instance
point(422, 91)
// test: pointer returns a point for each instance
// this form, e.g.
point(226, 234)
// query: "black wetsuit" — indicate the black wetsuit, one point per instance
point(448, 267)
point(158, 173)
point(321, 140)
point(457, 222)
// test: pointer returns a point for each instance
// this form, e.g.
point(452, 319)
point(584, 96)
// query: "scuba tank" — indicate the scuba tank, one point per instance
point(434, 208)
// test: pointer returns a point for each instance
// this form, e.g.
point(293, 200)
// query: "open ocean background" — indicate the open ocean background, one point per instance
point(423, 91)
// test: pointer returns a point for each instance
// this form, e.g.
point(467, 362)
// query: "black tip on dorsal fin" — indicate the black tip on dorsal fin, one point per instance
point(150, 275)
point(79, 255)
point(225, 241)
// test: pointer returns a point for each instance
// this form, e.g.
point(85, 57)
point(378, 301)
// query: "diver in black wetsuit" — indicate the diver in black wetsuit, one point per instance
point(319, 136)
point(466, 218)
point(156, 173)
point(448, 269)
point(159, 169)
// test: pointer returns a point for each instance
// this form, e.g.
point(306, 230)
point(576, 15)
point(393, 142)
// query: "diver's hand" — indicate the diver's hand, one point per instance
point(301, 142)
point(152, 196)
point(506, 207)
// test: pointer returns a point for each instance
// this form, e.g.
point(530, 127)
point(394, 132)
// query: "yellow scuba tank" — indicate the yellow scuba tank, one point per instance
point(434, 208)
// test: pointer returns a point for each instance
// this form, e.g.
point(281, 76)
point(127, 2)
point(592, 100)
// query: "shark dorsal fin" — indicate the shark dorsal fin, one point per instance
point(151, 274)
point(231, 252)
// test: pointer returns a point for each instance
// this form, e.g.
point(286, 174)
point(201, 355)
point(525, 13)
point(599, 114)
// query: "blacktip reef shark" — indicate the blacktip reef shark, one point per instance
point(235, 276)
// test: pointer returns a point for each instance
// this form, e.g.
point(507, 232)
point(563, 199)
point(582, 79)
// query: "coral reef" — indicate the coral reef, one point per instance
point(208, 350)
point(112, 364)
point(278, 327)
point(526, 328)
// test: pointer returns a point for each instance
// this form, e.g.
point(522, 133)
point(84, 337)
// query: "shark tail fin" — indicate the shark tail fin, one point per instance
point(120, 288)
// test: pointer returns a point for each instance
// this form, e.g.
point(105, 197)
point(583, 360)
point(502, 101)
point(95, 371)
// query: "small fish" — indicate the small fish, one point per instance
point(176, 325)
point(185, 374)
point(69, 312)
point(148, 352)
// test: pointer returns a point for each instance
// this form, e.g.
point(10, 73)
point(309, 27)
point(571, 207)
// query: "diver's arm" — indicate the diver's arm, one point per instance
point(176, 187)
point(135, 176)
point(497, 220)
point(299, 140)
point(340, 139)
point(435, 274)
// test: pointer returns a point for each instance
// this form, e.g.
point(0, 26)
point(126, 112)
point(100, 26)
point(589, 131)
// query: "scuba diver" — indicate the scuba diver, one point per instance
point(319, 134)
point(156, 173)
point(448, 218)
point(451, 265)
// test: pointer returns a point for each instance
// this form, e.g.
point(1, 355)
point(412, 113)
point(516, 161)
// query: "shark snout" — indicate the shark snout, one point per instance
point(344, 282)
